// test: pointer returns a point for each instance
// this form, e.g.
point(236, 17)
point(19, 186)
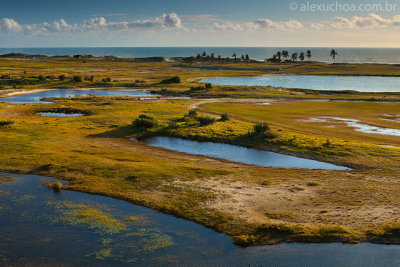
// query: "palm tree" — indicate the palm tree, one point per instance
point(309, 56)
point(247, 58)
point(294, 56)
point(301, 56)
point(278, 55)
point(234, 55)
point(285, 54)
point(333, 54)
point(204, 54)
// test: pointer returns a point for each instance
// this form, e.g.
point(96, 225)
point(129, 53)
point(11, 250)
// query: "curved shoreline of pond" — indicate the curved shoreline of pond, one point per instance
point(246, 154)
point(35, 96)
point(265, 148)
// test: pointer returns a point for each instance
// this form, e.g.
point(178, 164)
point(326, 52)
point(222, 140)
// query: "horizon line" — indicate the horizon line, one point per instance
point(360, 47)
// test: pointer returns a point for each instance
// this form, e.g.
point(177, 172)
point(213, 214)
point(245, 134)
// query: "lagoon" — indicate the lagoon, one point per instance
point(239, 154)
point(37, 97)
point(333, 83)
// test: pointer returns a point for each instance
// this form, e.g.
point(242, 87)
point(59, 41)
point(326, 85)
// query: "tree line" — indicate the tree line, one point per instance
point(287, 57)
point(206, 57)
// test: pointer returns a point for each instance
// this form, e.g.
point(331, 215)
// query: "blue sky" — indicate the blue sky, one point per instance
point(44, 23)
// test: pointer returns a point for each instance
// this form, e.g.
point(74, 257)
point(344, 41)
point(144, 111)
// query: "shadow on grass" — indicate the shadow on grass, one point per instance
point(121, 132)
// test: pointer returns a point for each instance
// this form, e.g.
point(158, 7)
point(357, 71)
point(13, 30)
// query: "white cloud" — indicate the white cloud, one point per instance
point(10, 25)
point(371, 21)
point(260, 24)
point(269, 24)
point(166, 21)
point(228, 26)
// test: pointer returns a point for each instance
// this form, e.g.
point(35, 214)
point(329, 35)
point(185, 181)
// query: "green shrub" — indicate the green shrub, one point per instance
point(205, 120)
point(263, 130)
point(61, 77)
point(5, 123)
point(174, 79)
point(145, 121)
point(328, 143)
point(76, 79)
point(224, 117)
point(197, 88)
point(173, 125)
point(208, 86)
point(57, 186)
point(192, 113)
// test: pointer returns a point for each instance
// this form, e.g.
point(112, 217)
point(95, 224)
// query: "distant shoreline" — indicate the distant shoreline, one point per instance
point(350, 55)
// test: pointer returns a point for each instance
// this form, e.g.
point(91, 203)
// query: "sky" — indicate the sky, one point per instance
point(101, 23)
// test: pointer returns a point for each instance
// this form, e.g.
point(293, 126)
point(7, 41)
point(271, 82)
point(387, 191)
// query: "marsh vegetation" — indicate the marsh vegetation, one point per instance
point(253, 204)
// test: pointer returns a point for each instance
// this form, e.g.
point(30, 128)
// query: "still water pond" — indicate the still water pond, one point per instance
point(239, 154)
point(336, 83)
point(36, 97)
point(60, 115)
point(39, 226)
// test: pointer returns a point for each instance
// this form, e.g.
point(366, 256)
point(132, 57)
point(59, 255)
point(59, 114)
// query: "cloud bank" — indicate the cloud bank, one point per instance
point(173, 21)
point(166, 21)
point(371, 21)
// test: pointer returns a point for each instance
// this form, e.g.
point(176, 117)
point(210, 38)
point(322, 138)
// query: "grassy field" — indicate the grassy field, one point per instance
point(255, 205)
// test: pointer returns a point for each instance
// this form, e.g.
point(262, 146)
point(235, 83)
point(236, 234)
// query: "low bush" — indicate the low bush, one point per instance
point(328, 143)
point(57, 186)
point(205, 120)
point(262, 130)
point(197, 88)
point(192, 113)
point(174, 79)
point(172, 125)
point(208, 86)
point(77, 79)
point(224, 117)
point(5, 123)
point(144, 121)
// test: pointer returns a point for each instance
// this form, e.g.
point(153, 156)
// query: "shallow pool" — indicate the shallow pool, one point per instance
point(239, 154)
point(60, 115)
point(36, 97)
point(336, 83)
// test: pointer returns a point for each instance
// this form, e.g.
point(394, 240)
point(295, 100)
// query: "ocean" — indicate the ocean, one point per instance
point(345, 55)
